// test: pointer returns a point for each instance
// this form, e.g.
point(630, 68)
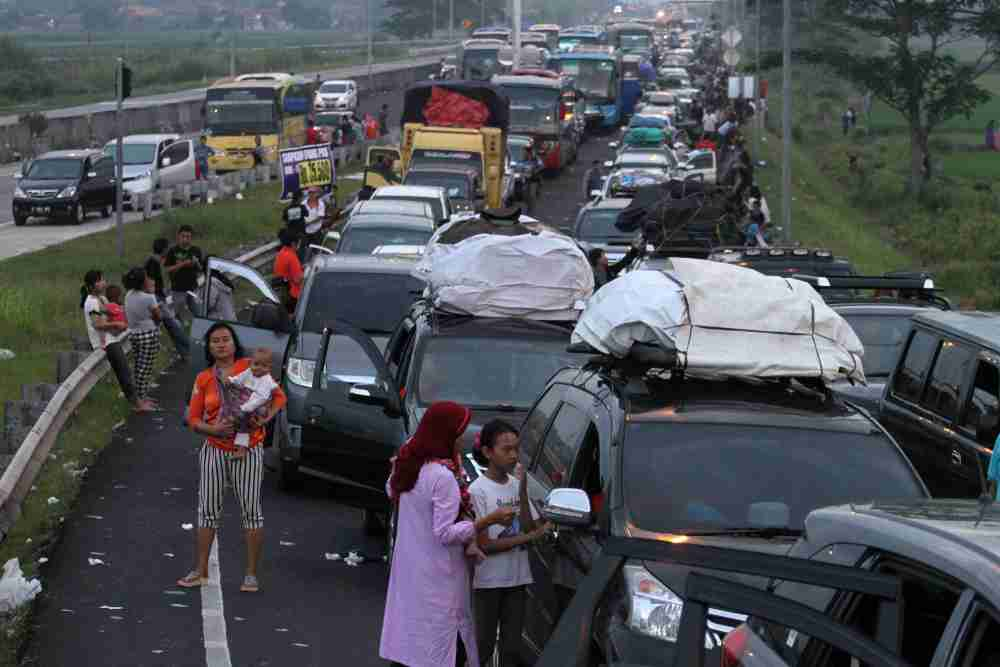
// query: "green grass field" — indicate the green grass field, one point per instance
point(885, 118)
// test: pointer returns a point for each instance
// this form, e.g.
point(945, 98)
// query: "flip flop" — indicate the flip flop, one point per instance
point(192, 580)
point(250, 585)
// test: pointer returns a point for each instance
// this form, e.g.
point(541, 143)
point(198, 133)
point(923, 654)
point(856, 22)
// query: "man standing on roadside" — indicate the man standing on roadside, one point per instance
point(202, 151)
point(154, 269)
point(183, 264)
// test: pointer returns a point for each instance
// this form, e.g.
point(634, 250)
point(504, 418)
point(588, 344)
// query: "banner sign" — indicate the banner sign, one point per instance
point(305, 167)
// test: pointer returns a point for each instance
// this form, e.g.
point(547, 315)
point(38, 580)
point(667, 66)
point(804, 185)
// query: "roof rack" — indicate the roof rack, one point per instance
point(777, 253)
point(905, 288)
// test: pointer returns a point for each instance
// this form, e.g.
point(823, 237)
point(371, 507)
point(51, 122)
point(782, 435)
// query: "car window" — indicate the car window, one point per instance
point(984, 402)
point(702, 162)
point(944, 389)
point(883, 337)
point(397, 347)
point(560, 446)
point(54, 169)
point(177, 153)
point(981, 646)
point(363, 241)
point(909, 382)
point(349, 297)
point(105, 168)
point(347, 362)
point(537, 421)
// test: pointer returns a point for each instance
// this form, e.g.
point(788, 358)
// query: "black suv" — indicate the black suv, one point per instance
point(942, 401)
point(786, 261)
point(65, 184)
point(736, 464)
point(941, 552)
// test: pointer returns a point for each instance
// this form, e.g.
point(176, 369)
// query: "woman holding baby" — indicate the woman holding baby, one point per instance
point(232, 401)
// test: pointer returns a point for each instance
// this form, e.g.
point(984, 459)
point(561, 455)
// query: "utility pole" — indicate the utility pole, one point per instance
point(516, 20)
point(482, 19)
point(434, 17)
point(232, 44)
point(786, 118)
point(758, 113)
point(451, 20)
point(121, 90)
point(368, 29)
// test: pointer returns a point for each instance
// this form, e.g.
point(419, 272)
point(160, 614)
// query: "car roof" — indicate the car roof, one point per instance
point(421, 191)
point(642, 156)
point(875, 308)
point(611, 204)
point(960, 538)
point(336, 81)
point(146, 139)
point(444, 324)
point(980, 327)
point(426, 169)
point(375, 206)
point(348, 263)
point(79, 153)
point(526, 80)
point(390, 220)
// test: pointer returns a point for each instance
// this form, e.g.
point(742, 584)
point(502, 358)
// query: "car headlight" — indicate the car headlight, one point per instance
point(301, 371)
point(19, 193)
point(654, 609)
point(69, 191)
point(147, 174)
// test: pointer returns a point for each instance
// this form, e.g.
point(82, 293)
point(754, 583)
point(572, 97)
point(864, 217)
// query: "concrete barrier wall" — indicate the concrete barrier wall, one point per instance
point(183, 117)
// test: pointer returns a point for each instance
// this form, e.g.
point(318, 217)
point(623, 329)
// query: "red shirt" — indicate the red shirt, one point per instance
point(705, 144)
point(312, 136)
point(206, 404)
point(288, 266)
point(115, 313)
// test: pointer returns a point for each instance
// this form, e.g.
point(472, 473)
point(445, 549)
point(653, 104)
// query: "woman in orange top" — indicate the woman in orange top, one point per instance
point(288, 268)
point(220, 460)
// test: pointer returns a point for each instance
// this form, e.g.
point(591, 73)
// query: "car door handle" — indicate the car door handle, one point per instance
point(956, 457)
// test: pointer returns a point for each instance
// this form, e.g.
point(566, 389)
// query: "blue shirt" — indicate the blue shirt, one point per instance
point(993, 473)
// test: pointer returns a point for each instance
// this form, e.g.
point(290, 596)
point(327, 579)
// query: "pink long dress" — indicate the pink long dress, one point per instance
point(429, 600)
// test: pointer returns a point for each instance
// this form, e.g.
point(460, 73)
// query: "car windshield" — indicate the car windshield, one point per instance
point(435, 203)
point(237, 118)
point(364, 240)
point(594, 78)
point(489, 372)
point(883, 337)
point(532, 107)
point(635, 40)
point(481, 65)
point(455, 185)
point(599, 225)
point(691, 477)
point(134, 153)
point(518, 152)
point(333, 88)
point(54, 169)
point(349, 297)
point(646, 160)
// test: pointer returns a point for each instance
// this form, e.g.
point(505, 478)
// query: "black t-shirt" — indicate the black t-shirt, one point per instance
point(186, 279)
point(155, 271)
point(295, 218)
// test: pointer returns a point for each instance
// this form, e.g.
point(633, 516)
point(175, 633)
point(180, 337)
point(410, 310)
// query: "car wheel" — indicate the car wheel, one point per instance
point(78, 214)
point(20, 220)
point(105, 211)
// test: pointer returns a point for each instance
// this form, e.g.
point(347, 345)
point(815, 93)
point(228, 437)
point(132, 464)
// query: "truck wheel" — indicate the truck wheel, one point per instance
point(20, 220)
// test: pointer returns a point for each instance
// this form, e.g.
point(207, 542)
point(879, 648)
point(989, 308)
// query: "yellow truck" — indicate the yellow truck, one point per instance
point(439, 138)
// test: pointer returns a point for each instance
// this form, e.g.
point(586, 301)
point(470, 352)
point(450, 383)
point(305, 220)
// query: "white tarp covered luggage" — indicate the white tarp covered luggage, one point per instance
point(542, 276)
point(724, 319)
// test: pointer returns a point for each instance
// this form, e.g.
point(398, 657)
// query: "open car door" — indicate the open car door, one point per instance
point(354, 417)
point(240, 296)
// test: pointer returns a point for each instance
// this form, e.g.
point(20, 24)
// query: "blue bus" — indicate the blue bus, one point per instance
point(571, 38)
point(597, 73)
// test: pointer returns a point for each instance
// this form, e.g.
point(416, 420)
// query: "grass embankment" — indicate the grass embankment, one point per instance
point(40, 314)
point(866, 214)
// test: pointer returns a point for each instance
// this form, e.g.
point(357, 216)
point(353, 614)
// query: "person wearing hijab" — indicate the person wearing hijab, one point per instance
point(428, 610)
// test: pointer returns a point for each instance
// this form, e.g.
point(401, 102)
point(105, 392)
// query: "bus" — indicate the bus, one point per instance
point(272, 107)
point(571, 38)
point(537, 110)
point(632, 37)
point(551, 32)
point(597, 74)
point(479, 59)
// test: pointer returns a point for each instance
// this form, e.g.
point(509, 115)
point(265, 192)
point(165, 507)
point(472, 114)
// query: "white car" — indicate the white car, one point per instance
point(699, 165)
point(435, 196)
point(152, 161)
point(336, 95)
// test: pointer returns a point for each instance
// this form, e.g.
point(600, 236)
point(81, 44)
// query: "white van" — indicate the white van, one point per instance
point(153, 161)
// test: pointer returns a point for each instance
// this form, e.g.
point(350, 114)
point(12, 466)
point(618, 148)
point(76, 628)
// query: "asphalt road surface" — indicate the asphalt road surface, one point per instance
point(126, 610)
point(41, 233)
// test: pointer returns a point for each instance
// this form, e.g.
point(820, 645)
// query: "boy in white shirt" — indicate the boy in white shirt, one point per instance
point(253, 387)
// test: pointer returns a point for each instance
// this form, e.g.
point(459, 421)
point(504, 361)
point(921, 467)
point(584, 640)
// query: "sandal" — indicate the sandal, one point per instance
point(192, 580)
point(250, 584)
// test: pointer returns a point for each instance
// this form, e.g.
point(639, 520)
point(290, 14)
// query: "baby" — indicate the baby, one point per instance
point(251, 390)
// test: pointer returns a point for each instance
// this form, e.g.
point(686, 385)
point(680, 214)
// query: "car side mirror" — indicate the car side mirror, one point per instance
point(373, 394)
point(333, 237)
point(165, 162)
point(568, 508)
point(594, 194)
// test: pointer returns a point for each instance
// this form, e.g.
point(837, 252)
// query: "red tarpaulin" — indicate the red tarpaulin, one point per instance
point(450, 109)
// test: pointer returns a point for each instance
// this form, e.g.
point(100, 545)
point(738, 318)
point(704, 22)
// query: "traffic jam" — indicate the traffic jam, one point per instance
point(657, 433)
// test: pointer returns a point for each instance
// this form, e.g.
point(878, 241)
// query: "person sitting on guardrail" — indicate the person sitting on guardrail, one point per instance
point(107, 335)
point(218, 467)
point(143, 314)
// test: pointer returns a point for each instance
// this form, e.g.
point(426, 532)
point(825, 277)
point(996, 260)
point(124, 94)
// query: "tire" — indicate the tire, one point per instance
point(78, 214)
point(105, 212)
point(20, 220)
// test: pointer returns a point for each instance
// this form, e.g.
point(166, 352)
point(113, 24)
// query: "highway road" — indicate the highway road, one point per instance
point(39, 233)
point(310, 612)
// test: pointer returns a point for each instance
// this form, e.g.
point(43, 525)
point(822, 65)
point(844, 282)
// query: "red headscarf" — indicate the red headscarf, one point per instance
point(442, 424)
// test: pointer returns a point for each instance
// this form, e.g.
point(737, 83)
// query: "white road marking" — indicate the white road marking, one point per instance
point(213, 615)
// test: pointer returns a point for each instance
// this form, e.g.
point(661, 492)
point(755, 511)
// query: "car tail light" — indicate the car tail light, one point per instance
point(734, 647)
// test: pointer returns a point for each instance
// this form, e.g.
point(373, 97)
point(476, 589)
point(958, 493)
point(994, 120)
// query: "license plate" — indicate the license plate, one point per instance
point(40, 210)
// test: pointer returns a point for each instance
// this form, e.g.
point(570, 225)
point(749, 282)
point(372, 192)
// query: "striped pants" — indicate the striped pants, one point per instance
point(145, 348)
point(217, 467)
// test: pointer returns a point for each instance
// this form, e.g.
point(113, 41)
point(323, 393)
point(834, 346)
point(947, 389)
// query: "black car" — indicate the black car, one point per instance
point(942, 401)
point(942, 554)
point(735, 464)
point(788, 261)
point(461, 184)
point(879, 310)
point(67, 185)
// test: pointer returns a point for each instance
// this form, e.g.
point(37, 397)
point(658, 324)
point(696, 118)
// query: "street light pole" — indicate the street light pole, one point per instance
point(758, 112)
point(516, 20)
point(119, 157)
point(451, 20)
point(786, 118)
point(368, 29)
point(232, 44)
point(434, 17)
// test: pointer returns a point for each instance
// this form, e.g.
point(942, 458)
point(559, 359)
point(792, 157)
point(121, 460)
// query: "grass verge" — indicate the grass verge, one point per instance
point(39, 314)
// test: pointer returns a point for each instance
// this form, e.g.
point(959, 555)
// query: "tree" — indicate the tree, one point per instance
point(916, 73)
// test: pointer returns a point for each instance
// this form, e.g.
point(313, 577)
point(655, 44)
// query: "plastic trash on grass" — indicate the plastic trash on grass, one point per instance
point(15, 590)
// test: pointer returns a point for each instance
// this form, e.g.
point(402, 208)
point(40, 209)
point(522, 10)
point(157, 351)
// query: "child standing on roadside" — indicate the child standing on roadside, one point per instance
point(500, 581)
